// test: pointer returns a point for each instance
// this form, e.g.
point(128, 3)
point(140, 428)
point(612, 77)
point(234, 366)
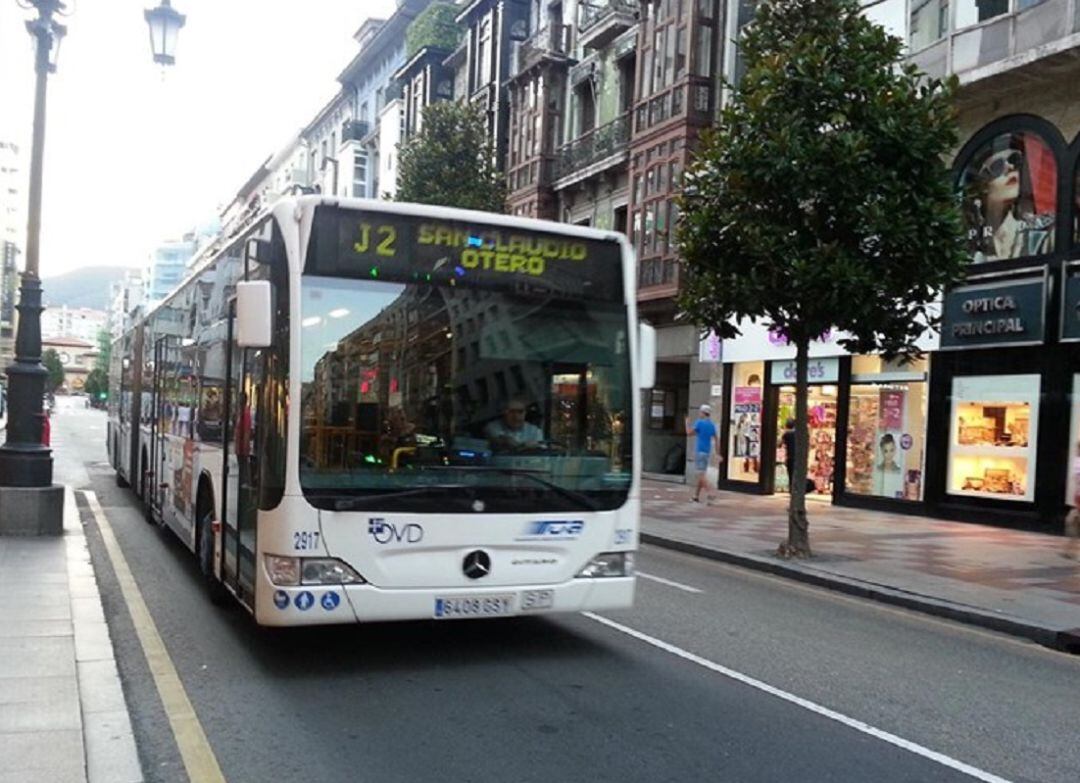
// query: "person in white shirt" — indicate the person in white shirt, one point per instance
point(512, 431)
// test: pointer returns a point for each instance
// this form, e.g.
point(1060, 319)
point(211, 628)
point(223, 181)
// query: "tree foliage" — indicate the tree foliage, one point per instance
point(451, 162)
point(821, 200)
point(436, 26)
point(96, 384)
point(104, 357)
point(55, 378)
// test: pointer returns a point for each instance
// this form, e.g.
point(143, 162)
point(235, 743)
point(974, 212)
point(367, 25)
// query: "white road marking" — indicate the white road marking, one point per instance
point(668, 582)
point(806, 704)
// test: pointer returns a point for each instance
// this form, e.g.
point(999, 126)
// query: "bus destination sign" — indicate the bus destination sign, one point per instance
point(404, 248)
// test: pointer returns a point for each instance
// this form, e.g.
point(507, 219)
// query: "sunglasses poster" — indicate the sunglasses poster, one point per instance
point(1010, 198)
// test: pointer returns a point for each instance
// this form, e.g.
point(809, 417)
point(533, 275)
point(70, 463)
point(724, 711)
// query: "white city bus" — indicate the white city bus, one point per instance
point(360, 410)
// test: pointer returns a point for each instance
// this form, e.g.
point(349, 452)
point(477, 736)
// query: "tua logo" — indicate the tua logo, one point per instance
point(555, 529)
point(384, 532)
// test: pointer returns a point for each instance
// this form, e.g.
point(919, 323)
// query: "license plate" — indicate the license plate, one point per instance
point(451, 608)
point(531, 600)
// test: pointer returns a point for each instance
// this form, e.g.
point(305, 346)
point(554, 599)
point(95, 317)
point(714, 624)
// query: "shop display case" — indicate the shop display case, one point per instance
point(991, 451)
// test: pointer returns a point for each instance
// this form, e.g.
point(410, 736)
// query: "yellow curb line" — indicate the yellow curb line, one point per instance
point(195, 750)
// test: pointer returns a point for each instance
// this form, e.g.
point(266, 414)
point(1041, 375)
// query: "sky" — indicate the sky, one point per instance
point(136, 154)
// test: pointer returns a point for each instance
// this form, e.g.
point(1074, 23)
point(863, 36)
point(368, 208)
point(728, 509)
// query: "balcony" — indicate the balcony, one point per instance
point(546, 45)
point(657, 278)
point(354, 130)
point(602, 21)
point(688, 100)
point(581, 155)
point(1026, 35)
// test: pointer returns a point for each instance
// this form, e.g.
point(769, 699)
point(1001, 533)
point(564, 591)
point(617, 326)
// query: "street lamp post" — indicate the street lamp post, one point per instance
point(24, 460)
point(29, 502)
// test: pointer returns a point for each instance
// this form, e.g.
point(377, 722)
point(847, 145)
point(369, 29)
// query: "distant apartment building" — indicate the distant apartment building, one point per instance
point(80, 323)
point(124, 297)
point(168, 266)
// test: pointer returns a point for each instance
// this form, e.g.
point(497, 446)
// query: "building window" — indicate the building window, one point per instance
point(929, 22)
point(483, 53)
point(969, 12)
point(360, 174)
point(1010, 197)
point(886, 429)
point(993, 432)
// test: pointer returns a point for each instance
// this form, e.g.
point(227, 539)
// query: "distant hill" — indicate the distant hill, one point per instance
point(87, 287)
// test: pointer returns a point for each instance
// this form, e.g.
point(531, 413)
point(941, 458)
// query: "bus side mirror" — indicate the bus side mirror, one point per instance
point(254, 314)
point(646, 356)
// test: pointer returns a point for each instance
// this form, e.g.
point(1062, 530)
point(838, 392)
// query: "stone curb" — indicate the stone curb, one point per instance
point(108, 739)
point(1066, 640)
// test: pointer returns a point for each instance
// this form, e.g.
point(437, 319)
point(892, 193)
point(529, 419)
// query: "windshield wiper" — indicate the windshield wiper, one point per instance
point(360, 502)
point(570, 494)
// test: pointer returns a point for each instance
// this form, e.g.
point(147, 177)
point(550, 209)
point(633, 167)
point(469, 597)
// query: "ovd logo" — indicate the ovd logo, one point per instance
point(386, 532)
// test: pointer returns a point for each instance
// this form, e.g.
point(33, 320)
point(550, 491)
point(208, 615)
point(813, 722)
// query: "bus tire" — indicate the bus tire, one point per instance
point(215, 591)
point(121, 481)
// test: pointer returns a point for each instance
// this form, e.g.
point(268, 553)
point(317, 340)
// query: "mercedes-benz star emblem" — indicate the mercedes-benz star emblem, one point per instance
point(476, 564)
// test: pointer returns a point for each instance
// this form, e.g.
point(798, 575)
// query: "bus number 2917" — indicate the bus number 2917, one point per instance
point(305, 540)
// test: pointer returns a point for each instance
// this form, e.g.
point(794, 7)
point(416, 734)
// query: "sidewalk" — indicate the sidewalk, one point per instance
point(62, 711)
point(1011, 581)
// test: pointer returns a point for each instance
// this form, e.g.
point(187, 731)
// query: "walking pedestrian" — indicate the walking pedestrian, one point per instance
point(706, 434)
point(787, 437)
point(1072, 519)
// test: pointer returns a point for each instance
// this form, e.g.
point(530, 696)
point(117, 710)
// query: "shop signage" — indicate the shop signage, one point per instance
point(989, 314)
point(817, 371)
point(710, 349)
point(1070, 308)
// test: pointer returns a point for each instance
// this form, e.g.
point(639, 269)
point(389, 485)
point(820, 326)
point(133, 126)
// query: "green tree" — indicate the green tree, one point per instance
point(821, 200)
point(436, 27)
point(96, 384)
point(451, 161)
point(55, 379)
point(104, 357)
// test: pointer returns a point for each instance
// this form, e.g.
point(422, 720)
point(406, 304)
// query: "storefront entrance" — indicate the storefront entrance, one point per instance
point(821, 406)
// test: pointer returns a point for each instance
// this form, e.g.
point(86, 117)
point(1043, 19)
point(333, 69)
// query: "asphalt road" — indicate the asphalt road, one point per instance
point(573, 698)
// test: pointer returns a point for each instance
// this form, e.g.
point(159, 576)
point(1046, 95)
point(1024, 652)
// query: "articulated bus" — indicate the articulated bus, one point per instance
point(359, 410)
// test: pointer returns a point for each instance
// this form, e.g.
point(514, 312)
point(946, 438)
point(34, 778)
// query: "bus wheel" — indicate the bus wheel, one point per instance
point(215, 591)
point(121, 481)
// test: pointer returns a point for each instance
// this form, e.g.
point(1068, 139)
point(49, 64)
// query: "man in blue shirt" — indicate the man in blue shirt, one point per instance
point(706, 433)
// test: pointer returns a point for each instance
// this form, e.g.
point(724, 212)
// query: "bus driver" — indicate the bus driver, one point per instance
point(512, 431)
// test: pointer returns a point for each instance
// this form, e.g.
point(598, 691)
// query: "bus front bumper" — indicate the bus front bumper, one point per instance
point(329, 605)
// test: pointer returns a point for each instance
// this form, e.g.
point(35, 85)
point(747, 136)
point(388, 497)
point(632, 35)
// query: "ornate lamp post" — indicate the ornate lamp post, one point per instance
point(29, 503)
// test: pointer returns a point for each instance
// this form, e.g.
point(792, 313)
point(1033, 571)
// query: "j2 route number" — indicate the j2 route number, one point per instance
point(305, 540)
point(385, 236)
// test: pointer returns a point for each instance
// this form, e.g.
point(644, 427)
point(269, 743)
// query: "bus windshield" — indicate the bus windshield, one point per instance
point(435, 379)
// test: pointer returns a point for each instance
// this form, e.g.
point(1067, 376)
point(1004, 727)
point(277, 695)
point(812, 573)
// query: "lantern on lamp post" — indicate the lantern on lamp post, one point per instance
point(164, 22)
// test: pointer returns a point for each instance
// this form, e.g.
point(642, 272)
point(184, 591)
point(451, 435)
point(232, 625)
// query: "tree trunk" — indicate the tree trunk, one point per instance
point(798, 542)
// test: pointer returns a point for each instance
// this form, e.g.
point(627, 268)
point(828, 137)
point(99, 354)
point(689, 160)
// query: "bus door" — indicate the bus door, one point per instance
point(241, 466)
point(159, 423)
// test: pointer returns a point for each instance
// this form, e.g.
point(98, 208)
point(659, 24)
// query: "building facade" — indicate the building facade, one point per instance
point(76, 356)
point(80, 323)
point(124, 297)
point(168, 266)
point(12, 235)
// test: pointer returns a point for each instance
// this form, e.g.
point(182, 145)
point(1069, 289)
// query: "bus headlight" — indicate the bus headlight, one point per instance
point(327, 571)
point(609, 564)
point(292, 571)
point(283, 570)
